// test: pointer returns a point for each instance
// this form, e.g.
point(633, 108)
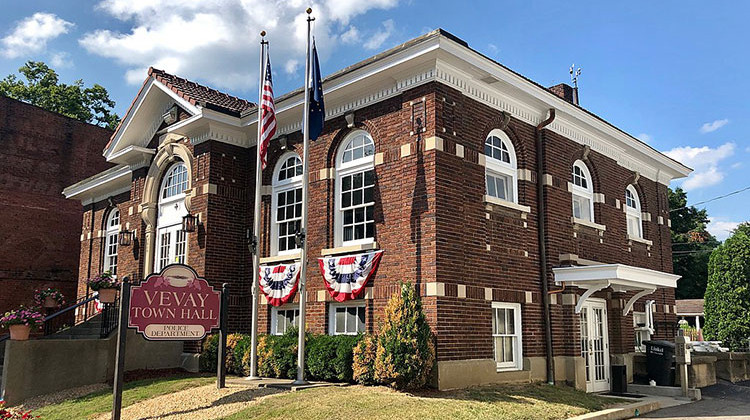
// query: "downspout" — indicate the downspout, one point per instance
point(541, 218)
point(91, 247)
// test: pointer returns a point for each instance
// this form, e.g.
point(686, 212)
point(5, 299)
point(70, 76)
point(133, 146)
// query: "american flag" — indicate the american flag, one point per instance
point(267, 114)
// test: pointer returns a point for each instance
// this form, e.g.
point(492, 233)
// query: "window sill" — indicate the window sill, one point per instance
point(641, 240)
point(588, 223)
point(507, 204)
point(279, 258)
point(509, 369)
point(349, 248)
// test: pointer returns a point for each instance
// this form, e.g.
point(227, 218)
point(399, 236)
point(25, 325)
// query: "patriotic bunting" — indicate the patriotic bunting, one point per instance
point(279, 282)
point(346, 277)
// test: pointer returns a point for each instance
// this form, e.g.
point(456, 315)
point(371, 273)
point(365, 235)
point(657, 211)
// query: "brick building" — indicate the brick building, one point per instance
point(532, 227)
point(41, 153)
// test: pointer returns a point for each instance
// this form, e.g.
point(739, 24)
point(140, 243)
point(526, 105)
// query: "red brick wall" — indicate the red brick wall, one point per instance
point(41, 153)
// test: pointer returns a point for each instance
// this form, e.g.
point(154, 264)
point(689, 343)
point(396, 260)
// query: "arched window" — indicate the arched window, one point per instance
point(583, 192)
point(355, 183)
point(501, 167)
point(171, 240)
point(112, 230)
point(633, 212)
point(286, 203)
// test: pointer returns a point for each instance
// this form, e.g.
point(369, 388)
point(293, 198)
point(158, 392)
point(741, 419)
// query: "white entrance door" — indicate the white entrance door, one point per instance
point(595, 344)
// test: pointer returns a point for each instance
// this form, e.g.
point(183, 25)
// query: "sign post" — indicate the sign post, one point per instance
point(221, 367)
point(121, 334)
point(174, 305)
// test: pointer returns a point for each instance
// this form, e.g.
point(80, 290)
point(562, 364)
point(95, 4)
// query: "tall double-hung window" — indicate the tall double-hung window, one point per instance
point(112, 225)
point(286, 203)
point(582, 191)
point(633, 212)
point(355, 186)
point(171, 240)
point(501, 167)
point(506, 335)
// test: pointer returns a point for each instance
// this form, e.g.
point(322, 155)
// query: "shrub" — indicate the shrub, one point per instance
point(405, 351)
point(344, 360)
point(279, 356)
point(363, 365)
point(238, 353)
point(727, 297)
point(320, 352)
point(209, 356)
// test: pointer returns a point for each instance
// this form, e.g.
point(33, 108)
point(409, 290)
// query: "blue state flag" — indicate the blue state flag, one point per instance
point(317, 108)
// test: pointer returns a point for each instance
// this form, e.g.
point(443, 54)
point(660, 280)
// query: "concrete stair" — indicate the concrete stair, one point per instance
point(90, 329)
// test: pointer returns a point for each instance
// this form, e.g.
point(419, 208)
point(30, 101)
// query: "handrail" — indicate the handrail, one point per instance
point(69, 308)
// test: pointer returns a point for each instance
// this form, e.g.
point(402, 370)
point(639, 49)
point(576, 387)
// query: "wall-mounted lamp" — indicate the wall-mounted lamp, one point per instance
point(189, 222)
point(125, 237)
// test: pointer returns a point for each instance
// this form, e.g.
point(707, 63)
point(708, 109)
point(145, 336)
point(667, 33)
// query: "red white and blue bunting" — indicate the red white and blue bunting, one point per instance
point(346, 277)
point(279, 282)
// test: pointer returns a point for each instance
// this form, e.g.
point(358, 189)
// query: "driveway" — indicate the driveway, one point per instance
point(724, 400)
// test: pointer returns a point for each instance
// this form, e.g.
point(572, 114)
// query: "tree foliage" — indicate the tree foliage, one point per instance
point(42, 88)
point(727, 305)
point(405, 351)
point(691, 245)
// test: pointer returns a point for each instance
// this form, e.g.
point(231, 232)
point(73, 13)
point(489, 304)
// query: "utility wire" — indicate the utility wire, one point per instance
point(713, 199)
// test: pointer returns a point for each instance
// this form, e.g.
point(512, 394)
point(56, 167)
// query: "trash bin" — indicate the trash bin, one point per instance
point(660, 361)
point(619, 379)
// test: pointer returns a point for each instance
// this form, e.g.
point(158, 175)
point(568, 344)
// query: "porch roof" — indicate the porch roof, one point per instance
point(620, 277)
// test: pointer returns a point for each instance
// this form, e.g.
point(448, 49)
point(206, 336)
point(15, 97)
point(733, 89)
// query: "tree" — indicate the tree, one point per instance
point(405, 352)
point(43, 89)
point(727, 305)
point(691, 245)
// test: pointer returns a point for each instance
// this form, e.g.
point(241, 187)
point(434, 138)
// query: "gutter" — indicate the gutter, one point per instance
point(541, 233)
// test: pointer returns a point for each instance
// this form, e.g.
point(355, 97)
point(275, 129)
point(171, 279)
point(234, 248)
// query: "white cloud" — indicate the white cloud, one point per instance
point(381, 36)
point(713, 126)
point(216, 41)
point(646, 138)
point(32, 34)
point(721, 228)
point(61, 60)
point(493, 49)
point(351, 36)
point(705, 161)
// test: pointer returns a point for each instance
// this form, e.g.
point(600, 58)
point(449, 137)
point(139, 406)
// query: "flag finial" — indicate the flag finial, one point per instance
point(262, 33)
point(309, 10)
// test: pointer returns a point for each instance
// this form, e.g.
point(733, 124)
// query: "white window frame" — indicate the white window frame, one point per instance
point(111, 241)
point(169, 221)
point(517, 363)
point(343, 169)
point(633, 214)
point(359, 304)
point(278, 187)
point(275, 317)
point(642, 332)
point(495, 167)
point(581, 192)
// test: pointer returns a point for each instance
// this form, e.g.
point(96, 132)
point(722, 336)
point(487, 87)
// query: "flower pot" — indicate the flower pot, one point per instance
point(19, 332)
point(50, 302)
point(107, 295)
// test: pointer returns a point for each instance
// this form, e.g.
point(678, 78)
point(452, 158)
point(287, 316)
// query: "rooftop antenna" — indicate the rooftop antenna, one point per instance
point(574, 78)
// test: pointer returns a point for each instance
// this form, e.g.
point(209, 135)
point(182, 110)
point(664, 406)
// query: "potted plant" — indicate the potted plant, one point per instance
point(20, 321)
point(49, 298)
point(106, 284)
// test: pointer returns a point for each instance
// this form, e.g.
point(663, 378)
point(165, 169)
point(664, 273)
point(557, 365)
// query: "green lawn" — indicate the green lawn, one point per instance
point(536, 401)
point(101, 402)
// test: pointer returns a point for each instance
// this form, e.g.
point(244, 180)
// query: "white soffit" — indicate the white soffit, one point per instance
point(98, 187)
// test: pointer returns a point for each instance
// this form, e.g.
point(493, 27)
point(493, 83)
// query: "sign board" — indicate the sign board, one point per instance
point(175, 304)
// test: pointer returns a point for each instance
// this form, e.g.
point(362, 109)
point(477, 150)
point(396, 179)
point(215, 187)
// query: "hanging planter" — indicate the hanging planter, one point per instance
point(20, 321)
point(106, 284)
point(49, 298)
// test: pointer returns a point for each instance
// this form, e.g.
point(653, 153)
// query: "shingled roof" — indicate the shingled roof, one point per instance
point(198, 94)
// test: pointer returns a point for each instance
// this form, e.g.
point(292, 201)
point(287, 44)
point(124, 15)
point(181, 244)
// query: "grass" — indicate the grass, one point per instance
point(535, 401)
point(100, 402)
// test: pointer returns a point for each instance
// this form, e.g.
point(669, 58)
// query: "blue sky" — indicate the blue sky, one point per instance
point(671, 73)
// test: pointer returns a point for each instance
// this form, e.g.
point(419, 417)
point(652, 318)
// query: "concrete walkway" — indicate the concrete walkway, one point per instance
point(721, 401)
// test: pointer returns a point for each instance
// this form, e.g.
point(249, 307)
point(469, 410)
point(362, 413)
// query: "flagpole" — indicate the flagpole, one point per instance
point(303, 231)
point(256, 219)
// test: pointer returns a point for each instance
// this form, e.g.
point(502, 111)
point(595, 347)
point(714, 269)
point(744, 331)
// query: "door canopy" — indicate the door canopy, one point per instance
point(620, 277)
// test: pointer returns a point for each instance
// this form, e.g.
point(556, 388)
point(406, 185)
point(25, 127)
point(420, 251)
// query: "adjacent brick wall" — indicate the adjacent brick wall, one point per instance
point(41, 153)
